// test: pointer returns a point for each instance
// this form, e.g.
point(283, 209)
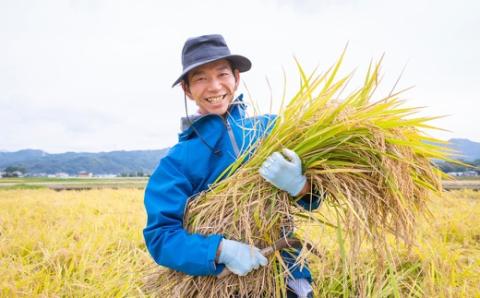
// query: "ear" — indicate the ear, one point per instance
point(236, 74)
point(186, 89)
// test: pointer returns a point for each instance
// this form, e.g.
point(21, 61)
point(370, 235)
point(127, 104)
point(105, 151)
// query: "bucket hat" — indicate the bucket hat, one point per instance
point(204, 49)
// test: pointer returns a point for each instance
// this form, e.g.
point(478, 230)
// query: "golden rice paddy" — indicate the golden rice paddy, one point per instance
point(90, 244)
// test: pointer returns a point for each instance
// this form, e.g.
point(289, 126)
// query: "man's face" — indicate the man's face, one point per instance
point(212, 87)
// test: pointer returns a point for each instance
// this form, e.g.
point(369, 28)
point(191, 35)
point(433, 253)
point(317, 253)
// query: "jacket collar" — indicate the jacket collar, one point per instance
point(236, 110)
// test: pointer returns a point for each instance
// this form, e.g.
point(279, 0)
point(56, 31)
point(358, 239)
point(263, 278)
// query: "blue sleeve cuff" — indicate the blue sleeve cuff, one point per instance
point(289, 257)
point(212, 252)
point(311, 201)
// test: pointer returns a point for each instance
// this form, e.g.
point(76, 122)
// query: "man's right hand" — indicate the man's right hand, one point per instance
point(240, 258)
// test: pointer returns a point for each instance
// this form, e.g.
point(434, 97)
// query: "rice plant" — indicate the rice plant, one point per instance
point(370, 159)
point(89, 244)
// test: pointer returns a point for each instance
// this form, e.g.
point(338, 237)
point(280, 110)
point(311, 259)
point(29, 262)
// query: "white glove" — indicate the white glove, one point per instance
point(301, 287)
point(240, 258)
point(284, 174)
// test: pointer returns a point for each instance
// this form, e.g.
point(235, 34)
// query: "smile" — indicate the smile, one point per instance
point(215, 99)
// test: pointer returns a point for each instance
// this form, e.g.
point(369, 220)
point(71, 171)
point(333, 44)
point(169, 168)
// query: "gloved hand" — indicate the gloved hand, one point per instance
point(301, 287)
point(240, 258)
point(284, 174)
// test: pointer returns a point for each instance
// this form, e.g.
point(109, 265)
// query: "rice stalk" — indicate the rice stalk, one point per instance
point(371, 159)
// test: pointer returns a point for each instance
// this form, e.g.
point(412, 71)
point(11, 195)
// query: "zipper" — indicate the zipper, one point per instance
point(232, 137)
point(228, 126)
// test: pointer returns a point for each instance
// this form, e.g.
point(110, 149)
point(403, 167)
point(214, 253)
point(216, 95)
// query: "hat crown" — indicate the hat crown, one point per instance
point(203, 48)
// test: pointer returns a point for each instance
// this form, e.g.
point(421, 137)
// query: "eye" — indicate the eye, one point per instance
point(199, 79)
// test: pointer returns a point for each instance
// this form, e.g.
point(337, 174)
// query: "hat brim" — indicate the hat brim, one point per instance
point(239, 62)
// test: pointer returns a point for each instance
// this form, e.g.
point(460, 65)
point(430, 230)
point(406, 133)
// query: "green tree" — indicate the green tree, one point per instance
point(12, 171)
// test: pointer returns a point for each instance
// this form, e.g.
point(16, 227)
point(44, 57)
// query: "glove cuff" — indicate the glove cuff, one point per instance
point(224, 253)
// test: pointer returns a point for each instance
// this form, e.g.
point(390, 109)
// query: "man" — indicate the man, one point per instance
point(210, 141)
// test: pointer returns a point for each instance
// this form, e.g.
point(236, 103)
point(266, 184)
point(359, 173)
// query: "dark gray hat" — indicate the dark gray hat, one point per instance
point(204, 49)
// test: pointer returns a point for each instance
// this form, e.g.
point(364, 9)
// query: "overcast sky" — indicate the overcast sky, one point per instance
point(95, 75)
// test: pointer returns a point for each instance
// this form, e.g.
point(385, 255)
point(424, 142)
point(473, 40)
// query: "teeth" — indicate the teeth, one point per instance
point(215, 99)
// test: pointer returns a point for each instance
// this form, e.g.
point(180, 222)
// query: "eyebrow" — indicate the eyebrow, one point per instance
point(200, 72)
point(196, 73)
point(223, 67)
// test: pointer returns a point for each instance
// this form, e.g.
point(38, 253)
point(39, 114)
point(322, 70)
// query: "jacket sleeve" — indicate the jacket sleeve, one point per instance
point(170, 245)
point(311, 201)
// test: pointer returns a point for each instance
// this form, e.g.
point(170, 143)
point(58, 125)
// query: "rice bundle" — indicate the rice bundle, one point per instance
point(369, 159)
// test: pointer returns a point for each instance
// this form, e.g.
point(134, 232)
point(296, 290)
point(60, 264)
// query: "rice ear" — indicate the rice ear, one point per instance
point(370, 159)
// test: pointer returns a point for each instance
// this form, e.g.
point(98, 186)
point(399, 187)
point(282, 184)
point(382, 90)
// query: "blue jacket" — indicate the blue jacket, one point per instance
point(189, 168)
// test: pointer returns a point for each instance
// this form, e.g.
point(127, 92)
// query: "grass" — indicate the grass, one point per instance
point(33, 180)
point(71, 183)
point(89, 244)
point(462, 184)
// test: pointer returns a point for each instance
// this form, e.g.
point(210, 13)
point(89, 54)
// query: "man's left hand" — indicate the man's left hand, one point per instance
point(285, 174)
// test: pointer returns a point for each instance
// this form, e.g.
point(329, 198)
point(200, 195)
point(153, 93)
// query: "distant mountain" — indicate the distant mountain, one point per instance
point(118, 162)
point(21, 155)
point(468, 150)
point(114, 162)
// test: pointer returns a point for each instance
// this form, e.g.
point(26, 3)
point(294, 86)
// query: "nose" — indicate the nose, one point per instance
point(214, 85)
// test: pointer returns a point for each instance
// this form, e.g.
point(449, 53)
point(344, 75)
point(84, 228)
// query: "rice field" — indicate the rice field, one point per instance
point(72, 183)
point(89, 244)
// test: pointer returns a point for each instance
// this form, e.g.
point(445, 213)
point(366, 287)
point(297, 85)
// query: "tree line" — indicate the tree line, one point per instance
point(453, 167)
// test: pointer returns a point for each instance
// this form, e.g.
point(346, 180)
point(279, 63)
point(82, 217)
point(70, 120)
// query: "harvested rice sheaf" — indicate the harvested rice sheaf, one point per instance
point(370, 160)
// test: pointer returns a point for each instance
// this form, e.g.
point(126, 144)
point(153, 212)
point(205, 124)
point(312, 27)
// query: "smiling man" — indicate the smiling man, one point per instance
point(209, 142)
point(212, 86)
